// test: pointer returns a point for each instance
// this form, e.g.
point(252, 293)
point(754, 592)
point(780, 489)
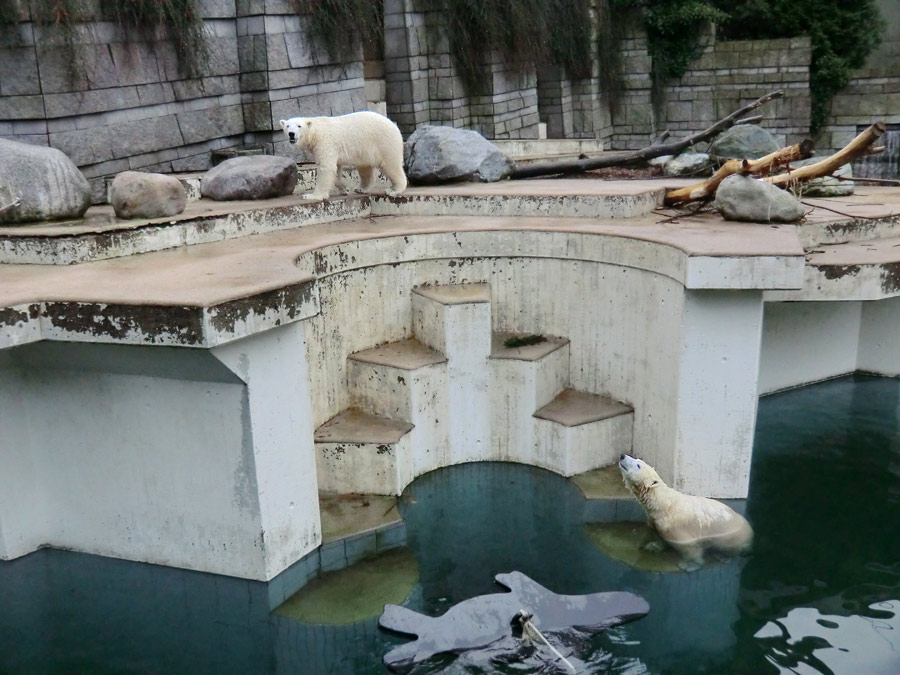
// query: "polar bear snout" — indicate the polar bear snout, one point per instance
point(292, 136)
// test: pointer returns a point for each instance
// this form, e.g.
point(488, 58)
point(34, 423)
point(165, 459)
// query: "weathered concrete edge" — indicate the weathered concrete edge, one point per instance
point(158, 236)
point(164, 325)
point(551, 206)
point(701, 272)
point(855, 281)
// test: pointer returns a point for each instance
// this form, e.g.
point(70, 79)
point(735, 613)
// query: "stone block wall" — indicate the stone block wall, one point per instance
point(128, 104)
point(873, 93)
point(725, 76)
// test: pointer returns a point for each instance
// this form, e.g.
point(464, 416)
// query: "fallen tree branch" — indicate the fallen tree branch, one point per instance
point(705, 191)
point(876, 181)
point(855, 148)
point(764, 165)
point(626, 157)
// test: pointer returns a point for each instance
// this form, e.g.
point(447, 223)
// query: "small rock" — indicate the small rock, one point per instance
point(827, 186)
point(45, 182)
point(134, 194)
point(747, 199)
point(688, 164)
point(255, 177)
point(444, 154)
point(745, 141)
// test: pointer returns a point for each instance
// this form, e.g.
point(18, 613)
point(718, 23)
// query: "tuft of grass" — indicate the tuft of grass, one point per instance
point(523, 341)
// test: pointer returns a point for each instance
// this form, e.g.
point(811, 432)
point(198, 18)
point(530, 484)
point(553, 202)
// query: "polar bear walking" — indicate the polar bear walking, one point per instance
point(691, 525)
point(365, 140)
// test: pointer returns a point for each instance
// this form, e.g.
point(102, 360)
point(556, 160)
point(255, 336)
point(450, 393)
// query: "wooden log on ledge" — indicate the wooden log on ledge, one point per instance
point(705, 191)
point(625, 158)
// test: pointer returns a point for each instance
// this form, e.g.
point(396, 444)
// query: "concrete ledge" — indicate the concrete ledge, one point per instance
point(404, 355)
point(531, 352)
point(456, 294)
point(573, 408)
point(358, 426)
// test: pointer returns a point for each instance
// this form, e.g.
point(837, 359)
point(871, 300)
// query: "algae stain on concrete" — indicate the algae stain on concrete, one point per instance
point(356, 593)
point(625, 541)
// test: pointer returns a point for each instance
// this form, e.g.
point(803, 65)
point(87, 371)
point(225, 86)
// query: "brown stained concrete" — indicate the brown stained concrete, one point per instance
point(356, 426)
point(603, 483)
point(347, 514)
point(204, 275)
point(458, 294)
point(573, 408)
point(871, 252)
point(404, 355)
point(526, 352)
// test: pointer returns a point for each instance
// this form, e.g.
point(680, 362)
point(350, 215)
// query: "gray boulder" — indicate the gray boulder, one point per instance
point(445, 154)
point(255, 177)
point(747, 199)
point(43, 183)
point(134, 194)
point(745, 141)
point(688, 164)
point(827, 186)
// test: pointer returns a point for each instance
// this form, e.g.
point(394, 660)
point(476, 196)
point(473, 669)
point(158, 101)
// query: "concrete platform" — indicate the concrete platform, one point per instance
point(456, 294)
point(603, 483)
point(573, 408)
point(357, 426)
point(404, 355)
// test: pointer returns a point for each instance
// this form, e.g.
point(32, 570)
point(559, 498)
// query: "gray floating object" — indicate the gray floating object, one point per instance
point(481, 620)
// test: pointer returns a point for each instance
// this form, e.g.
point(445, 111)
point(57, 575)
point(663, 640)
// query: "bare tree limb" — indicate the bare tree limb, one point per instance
point(624, 158)
point(763, 165)
point(7, 207)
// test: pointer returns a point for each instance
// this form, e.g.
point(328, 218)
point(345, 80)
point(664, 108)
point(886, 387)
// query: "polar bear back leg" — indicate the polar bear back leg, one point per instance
point(393, 169)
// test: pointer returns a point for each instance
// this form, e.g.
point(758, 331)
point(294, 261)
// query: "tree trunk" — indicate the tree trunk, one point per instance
point(705, 191)
point(624, 158)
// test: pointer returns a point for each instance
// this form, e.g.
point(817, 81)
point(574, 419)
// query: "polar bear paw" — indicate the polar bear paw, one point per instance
point(391, 192)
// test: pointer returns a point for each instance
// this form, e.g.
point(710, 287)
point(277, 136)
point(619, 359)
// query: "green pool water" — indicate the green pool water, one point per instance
point(819, 594)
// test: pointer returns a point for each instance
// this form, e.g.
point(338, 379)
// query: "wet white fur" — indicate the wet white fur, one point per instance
point(365, 140)
point(691, 525)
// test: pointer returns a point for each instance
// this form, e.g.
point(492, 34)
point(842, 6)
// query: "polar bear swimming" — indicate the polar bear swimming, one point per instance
point(365, 140)
point(691, 525)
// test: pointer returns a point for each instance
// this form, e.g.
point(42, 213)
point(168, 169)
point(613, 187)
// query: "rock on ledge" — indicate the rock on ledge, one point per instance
point(134, 194)
point(445, 154)
point(44, 181)
point(256, 177)
point(747, 199)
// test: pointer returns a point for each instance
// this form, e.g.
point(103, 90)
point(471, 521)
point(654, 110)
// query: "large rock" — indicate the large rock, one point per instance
point(748, 199)
point(134, 194)
point(745, 141)
point(445, 154)
point(259, 177)
point(826, 186)
point(688, 164)
point(44, 181)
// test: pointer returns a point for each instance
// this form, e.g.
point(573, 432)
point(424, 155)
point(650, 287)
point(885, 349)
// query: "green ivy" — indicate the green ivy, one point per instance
point(842, 35)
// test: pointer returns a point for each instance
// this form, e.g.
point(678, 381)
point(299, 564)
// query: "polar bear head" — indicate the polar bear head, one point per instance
point(297, 129)
point(639, 477)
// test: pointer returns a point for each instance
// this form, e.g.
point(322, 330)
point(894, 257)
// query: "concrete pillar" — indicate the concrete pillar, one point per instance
point(717, 392)
point(279, 424)
point(879, 346)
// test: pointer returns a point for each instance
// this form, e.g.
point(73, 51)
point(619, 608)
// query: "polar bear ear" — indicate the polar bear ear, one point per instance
point(283, 123)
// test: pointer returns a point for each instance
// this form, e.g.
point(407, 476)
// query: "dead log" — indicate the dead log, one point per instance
point(705, 191)
point(762, 166)
point(630, 157)
point(858, 147)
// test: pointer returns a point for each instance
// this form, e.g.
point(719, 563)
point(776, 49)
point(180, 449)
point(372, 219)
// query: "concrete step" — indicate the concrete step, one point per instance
point(578, 431)
point(866, 215)
point(456, 320)
point(523, 379)
point(395, 380)
point(358, 452)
